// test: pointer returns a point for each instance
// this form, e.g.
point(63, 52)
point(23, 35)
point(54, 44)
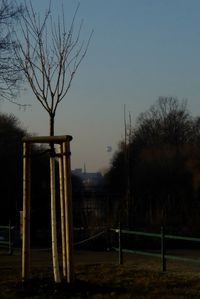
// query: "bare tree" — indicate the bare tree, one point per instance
point(9, 75)
point(49, 54)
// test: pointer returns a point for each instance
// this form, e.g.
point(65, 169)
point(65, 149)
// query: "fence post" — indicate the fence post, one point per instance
point(163, 250)
point(120, 246)
point(26, 213)
point(10, 238)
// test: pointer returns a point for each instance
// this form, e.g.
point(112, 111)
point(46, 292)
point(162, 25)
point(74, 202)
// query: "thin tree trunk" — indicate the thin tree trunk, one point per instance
point(68, 213)
point(51, 124)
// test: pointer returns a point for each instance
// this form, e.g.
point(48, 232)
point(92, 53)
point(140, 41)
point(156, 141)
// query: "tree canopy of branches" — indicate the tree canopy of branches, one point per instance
point(163, 166)
point(49, 54)
point(9, 75)
point(168, 121)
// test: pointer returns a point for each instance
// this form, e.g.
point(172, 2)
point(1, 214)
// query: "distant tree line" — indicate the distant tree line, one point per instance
point(154, 179)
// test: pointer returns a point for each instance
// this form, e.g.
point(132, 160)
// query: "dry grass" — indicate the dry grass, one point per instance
point(99, 276)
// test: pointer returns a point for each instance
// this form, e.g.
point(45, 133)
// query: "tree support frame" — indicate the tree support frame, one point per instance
point(65, 204)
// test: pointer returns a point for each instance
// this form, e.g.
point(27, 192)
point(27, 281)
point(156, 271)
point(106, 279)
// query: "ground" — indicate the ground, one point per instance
point(98, 275)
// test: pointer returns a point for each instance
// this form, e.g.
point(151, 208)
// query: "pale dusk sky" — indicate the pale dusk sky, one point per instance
point(140, 50)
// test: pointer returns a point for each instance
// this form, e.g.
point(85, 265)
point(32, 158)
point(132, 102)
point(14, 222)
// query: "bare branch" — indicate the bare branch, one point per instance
point(49, 55)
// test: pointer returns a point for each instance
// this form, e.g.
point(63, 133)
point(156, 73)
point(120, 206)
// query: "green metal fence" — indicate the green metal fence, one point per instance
point(6, 238)
point(162, 253)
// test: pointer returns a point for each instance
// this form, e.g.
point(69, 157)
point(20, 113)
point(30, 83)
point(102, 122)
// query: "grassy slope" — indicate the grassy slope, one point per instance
point(139, 279)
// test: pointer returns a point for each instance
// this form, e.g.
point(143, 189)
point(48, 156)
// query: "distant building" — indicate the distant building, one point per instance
point(89, 179)
point(91, 208)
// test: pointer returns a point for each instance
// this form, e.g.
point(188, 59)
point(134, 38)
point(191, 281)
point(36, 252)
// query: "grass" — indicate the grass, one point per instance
point(139, 278)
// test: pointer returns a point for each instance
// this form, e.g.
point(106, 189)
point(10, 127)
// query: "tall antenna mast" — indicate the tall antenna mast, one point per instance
point(125, 127)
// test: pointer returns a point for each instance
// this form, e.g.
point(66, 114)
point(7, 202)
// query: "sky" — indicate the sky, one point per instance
point(140, 50)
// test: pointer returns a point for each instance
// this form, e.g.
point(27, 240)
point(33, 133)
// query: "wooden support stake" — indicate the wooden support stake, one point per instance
point(68, 213)
point(56, 270)
point(62, 212)
point(26, 213)
point(66, 207)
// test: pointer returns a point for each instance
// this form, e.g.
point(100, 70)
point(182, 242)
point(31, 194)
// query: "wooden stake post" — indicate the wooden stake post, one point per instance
point(68, 212)
point(54, 242)
point(62, 207)
point(65, 205)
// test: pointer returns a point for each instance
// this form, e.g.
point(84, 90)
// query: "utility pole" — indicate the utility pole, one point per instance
point(127, 142)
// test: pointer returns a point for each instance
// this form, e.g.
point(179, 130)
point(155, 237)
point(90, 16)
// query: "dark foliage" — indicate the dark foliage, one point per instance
point(11, 181)
point(159, 180)
point(11, 167)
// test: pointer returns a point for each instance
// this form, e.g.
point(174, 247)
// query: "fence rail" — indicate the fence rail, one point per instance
point(163, 246)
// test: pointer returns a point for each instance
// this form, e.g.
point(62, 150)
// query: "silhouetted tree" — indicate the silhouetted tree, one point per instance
point(164, 165)
point(11, 134)
point(10, 11)
point(166, 122)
